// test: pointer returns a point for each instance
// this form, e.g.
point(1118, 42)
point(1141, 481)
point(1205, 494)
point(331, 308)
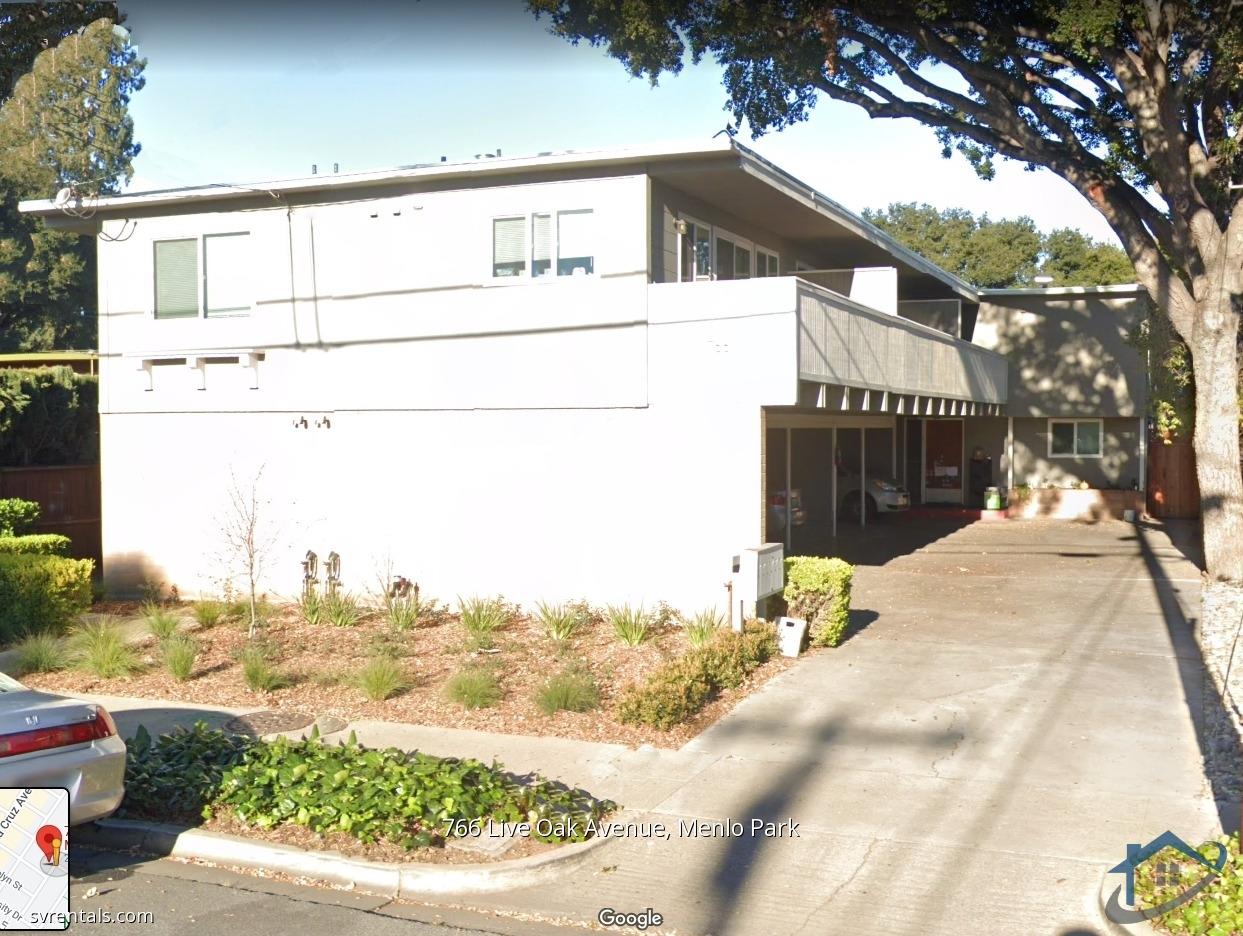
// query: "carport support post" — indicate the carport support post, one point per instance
point(863, 476)
point(789, 496)
point(1009, 455)
point(833, 480)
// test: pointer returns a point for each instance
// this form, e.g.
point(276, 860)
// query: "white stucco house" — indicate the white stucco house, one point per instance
point(568, 375)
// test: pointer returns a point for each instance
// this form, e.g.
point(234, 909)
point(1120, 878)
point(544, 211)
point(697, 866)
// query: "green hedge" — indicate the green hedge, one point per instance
point(677, 690)
point(41, 593)
point(17, 515)
point(49, 416)
point(818, 591)
point(37, 544)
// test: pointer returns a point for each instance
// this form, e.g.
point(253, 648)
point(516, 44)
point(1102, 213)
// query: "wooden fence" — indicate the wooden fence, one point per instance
point(1172, 487)
point(69, 500)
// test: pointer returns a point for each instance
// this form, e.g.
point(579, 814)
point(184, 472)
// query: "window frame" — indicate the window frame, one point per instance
point(1075, 422)
point(553, 273)
point(755, 265)
point(200, 256)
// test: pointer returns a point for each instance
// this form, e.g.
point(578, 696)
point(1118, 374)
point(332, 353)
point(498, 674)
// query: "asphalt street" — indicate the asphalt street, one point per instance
point(195, 900)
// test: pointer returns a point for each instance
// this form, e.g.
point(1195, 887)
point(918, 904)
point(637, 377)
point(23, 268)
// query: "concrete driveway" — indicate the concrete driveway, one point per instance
point(1014, 712)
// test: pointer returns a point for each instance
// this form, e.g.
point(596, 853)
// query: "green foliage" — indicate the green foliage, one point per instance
point(818, 591)
point(100, 648)
point(1216, 910)
point(403, 612)
point(311, 605)
point(175, 777)
point(17, 516)
point(161, 623)
point(179, 651)
point(631, 625)
point(482, 618)
point(41, 593)
point(258, 671)
point(208, 612)
point(571, 690)
point(677, 690)
point(41, 652)
point(64, 122)
point(474, 687)
point(382, 678)
point(37, 544)
point(408, 799)
point(342, 610)
point(52, 417)
point(1074, 259)
point(703, 627)
point(563, 620)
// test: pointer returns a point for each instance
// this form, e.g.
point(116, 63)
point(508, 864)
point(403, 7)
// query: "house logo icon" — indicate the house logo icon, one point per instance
point(1136, 855)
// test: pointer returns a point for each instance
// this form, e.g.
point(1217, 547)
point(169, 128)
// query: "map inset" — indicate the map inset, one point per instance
point(34, 858)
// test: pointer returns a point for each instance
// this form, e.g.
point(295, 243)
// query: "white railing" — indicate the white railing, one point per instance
point(843, 342)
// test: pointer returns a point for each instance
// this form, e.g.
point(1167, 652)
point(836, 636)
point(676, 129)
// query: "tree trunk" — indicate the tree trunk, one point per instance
point(1215, 359)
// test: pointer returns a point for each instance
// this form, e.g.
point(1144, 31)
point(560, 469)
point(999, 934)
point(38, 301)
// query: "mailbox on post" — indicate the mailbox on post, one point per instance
point(758, 573)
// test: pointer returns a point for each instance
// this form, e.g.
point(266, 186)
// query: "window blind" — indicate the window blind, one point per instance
point(509, 246)
point(227, 269)
point(575, 242)
point(176, 278)
point(541, 244)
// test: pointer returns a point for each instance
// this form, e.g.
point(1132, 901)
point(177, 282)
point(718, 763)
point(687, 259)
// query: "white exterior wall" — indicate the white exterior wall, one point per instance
point(588, 437)
point(876, 288)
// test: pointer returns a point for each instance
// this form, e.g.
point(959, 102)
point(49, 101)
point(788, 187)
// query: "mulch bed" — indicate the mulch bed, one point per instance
point(322, 660)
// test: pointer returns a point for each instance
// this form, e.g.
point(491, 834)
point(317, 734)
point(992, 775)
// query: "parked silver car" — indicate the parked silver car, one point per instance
point(883, 495)
point(49, 740)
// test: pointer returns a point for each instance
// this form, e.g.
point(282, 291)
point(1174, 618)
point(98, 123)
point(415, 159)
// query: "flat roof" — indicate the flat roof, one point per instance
point(1117, 289)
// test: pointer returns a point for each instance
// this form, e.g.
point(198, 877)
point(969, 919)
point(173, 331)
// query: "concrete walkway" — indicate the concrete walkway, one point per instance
point(1021, 703)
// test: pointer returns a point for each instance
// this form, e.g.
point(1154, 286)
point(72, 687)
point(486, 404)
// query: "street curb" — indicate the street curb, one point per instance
point(1140, 928)
point(388, 879)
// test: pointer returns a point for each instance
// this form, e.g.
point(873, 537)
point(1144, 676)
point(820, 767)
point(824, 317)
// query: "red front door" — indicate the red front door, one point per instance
point(943, 461)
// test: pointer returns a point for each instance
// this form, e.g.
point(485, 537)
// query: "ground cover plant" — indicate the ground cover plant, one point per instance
point(1217, 910)
point(409, 799)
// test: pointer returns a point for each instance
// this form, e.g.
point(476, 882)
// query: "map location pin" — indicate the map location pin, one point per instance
point(49, 839)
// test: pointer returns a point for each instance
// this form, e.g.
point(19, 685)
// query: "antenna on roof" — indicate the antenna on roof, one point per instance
point(314, 169)
point(729, 130)
point(334, 167)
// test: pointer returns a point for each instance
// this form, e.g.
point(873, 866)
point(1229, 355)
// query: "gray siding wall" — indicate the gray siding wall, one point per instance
point(1068, 354)
point(1118, 465)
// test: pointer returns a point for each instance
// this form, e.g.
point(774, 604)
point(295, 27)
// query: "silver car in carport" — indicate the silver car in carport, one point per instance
point(49, 740)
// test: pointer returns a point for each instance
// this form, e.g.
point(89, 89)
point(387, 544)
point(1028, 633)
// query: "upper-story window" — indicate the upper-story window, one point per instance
point(560, 243)
point(224, 287)
point(709, 253)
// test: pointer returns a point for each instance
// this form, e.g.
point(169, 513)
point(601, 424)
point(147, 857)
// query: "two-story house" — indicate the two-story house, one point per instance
point(575, 374)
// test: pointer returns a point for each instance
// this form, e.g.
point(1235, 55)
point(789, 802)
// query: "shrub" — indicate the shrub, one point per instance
point(342, 610)
point(402, 613)
point(175, 777)
point(474, 687)
point(382, 678)
point(179, 652)
point(631, 625)
point(562, 621)
point(703, 627)
point(17, 516)
point(482, 617)
point(259, 672)
point(100, 648)
point(161, 623)
point(208, 612)
point(818, 591)
point(312, 607)
point(677, 690)
point(37, 544)
point(40, 653)
point(572, 690)
point(40, 593)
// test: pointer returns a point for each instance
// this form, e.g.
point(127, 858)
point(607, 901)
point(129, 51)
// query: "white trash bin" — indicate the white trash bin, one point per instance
point(791, 632)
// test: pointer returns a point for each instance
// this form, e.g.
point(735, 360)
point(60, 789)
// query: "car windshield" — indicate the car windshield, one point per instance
point(9, 684)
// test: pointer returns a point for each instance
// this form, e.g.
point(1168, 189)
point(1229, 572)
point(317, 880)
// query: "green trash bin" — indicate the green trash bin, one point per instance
point(992, 498)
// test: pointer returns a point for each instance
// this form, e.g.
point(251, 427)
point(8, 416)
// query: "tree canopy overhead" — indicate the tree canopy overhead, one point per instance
point(66, 77)
point(1138, 104)
point(1001, 253)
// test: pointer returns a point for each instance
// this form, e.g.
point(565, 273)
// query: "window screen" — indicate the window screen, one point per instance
point(176, 278)
point(227, 266)
point(1088, 438)
point(742, 262)
point(509, 248)
point(575, 243)
point(724, 259)
point(541, 245)
point(1063, 438)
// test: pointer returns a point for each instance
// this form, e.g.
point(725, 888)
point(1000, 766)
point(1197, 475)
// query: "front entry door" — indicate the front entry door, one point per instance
point(943, 461)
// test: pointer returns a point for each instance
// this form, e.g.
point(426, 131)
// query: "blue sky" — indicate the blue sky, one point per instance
point(241, 93)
